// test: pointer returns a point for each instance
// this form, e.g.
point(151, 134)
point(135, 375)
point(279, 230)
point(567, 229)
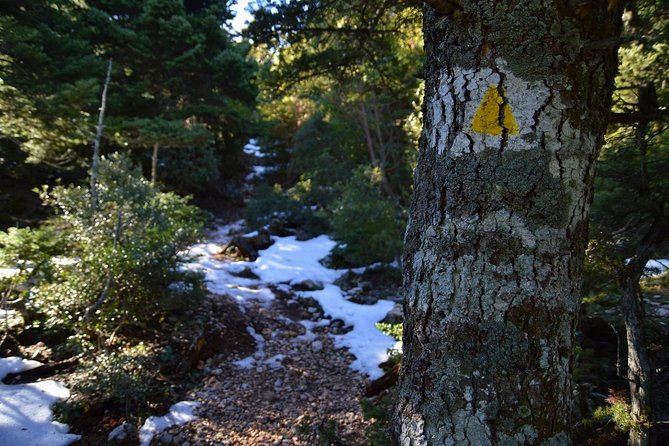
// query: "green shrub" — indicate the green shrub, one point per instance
point(29, 246)
point(368, 226)
point(123, 256)
point(272, 202)
point(378, 414)
point(394, 330)
point(189, 169)
point(125, 378)
point(619, 412)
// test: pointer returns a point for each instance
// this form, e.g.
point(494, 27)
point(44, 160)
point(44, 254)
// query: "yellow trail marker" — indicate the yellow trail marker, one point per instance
point(487, 118)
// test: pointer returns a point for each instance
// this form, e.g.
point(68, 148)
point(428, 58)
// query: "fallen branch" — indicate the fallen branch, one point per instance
point(385, 382)
point(42, 371)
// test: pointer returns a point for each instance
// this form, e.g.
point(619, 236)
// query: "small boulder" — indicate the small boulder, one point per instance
point(316, 346)
point(308, 285)
point(394, 316)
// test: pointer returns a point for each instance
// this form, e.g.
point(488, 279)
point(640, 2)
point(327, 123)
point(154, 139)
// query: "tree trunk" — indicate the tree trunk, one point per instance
point(98, 138)
point(514, 115)
point(639, 370)
point(154, 164)
point(383, 162)
point(380, 163)
point(364, 122)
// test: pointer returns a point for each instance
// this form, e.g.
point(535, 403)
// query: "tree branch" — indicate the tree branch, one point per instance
point(444, 6)
point(637, 117)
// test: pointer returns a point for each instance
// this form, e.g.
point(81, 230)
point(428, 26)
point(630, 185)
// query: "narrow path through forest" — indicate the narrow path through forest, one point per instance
point(294, 352)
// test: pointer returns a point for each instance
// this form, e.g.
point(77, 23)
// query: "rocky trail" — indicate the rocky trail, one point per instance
point(284, 333)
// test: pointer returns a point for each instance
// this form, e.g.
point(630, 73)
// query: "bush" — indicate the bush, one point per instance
point(189, 169)
point(368, 226)
point(618, 409)
point(123, 256)
point(271, 203)
point(29, 246)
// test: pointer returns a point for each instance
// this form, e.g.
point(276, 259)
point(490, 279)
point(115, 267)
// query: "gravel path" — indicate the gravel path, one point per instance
point(296, 389)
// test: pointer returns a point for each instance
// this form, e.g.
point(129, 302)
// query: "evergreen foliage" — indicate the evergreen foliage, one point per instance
point(179, 83)
point(49, 79)
point(341, 82)
point(272, 203)
point(629, 212)
point(632, 187)
point(368, 226)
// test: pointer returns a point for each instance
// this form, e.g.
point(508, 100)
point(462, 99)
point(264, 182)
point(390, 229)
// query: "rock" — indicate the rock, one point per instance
point(347, 280)
point(281, 227)
point(249, 246)
point(301, 235)
point(316, 346)
point(282, 291)
point(166, 438)
point(268, 395)
point(337, 327)
point(308, 285)
point(121, 433)
point(364, 298)
point(394, 316)
point(246, 273)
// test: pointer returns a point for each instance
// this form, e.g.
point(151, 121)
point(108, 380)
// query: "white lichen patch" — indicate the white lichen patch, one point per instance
point(465, 89)
point(545, 354)
point(468, 394)
point(525, 435)
point(413, 430)
point(468, 428)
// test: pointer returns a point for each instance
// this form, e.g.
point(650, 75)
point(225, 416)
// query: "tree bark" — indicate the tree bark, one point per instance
point(380, 162)
point(514, 116)
point(364, 122)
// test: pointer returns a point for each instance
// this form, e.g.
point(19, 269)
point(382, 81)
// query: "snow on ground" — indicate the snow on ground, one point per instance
point(180, 413)
point(656, 267)
point(252, 148)
point(290, 261)
point(8, 272)
point(258, 172)
point(25, 414)
point(249, 361)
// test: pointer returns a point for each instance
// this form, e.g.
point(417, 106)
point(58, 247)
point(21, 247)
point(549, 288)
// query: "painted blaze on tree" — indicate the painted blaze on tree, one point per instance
point(516, 105)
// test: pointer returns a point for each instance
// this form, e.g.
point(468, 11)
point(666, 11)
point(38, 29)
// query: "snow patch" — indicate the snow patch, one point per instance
point(180, 413)
point(291, 261)
point(249, 361)
point(252, 148)
point(25, 415)
point(656, 267)
point(8, 272)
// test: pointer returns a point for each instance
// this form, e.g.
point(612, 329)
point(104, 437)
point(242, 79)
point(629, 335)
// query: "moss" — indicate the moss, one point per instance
point(524, 411)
